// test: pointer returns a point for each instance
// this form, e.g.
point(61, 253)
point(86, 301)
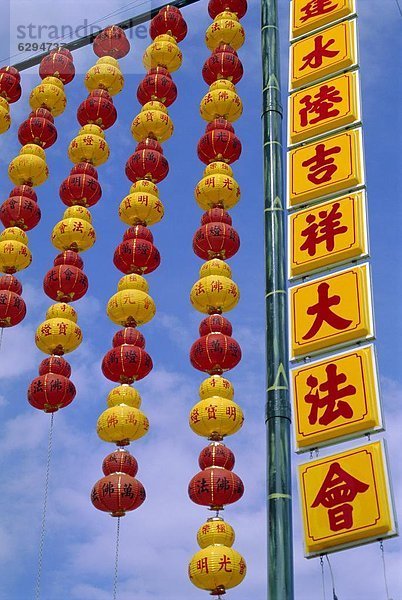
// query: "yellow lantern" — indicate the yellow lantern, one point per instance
point(214, 294)
point(221, 101)
point(14, 252)
point(225, 29)
point(62, 310)
point(77, 212)
point(122, 424)
point(144, 185)
point(29, 167)
point(216, 385)
point(49, 94)
point(89, 146)
point(163, 52)
point(227, 418)
point(215, 531)
point(58, 336)
point(105, 75)
point(153, 121)
point(5, 119)
point(131, 307)
point(217, 568)
point(141, 208)
point(133, 282)
point(73, 234)
point(216, 189)
point(124, 394)
point(215, 266)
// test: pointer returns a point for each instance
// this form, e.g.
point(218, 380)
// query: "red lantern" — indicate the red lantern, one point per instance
point(57, 64)
point(65, 51)
point(80, 188)
point(136, 256)
point(10, 87)
point(216, 215)
point(10, 283)
point(128, 335)
point(238, 7)
point(157, 85)
point(120, 461)
point(12, 308)
point(56, 365)
point(149, 143)
point(117, 494)
point(65, 283)
point(126, 364)
point(69, 257)
point(215, 324)
point(50, 392)
point(138, 231)
point(219, 123)
point(98, 108)
point(219, 144)
point(112, 41)
point(37, 130)
point(20, 211)
point(215, 353)
point(84, 168)
point(24, 190)
point(216, 240)
point(147, 164)
point(216, 455)
point(215, 487)
point(169, 20)
point(223, 64)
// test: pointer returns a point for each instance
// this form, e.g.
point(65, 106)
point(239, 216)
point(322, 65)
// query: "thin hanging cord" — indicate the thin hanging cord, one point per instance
point(334, 596)
point(1, 336)
point(116, 561)
point(322, 577)
point(385, 570)
point(399, 7)
point(43, 527)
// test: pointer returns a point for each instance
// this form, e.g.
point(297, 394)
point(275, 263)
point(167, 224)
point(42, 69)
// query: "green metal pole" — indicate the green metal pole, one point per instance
point(277, 418)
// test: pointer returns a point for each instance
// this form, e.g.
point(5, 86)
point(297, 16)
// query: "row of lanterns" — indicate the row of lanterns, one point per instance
point(20, 212)
point(66, 281)
point(217, 567)
point(136, 256)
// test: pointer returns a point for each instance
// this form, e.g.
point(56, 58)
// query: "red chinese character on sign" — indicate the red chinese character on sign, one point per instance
point(324, 231)
point(315, 8)
point(338, 490)
point(315, 58)
point(321, 166)
point(331, 399)
point(323, 312)
point(321, 105)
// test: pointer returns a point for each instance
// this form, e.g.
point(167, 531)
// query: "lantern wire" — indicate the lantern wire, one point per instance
point(399, 7)
point(334, 596)
point(116, 561)
point(1, 336)
point(322, 577)
point(45, 496)
point(384, 570)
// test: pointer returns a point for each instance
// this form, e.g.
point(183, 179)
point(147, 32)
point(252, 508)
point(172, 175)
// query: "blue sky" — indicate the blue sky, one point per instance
point(158, 539)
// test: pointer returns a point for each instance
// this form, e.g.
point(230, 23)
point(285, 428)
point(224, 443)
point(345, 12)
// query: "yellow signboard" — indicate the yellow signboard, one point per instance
point(307, 15)
point(326, 167)
point(324, 107)
point(346, 500)
point(336, 399)
point(324, 53)
point(331, 311)
point(328, 234)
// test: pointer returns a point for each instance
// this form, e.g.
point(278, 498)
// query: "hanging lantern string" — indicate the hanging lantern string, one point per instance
point(335, 597)
point(43, 526)
point(322, 577)
point(116, 561)
point(384, 570)
point(1, 337)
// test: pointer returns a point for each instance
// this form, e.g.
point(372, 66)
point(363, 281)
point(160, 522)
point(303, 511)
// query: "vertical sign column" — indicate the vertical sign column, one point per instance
point(345, 497)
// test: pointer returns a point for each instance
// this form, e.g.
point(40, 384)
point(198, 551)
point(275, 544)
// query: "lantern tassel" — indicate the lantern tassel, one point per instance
point(116, 562)
point(45, 496)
